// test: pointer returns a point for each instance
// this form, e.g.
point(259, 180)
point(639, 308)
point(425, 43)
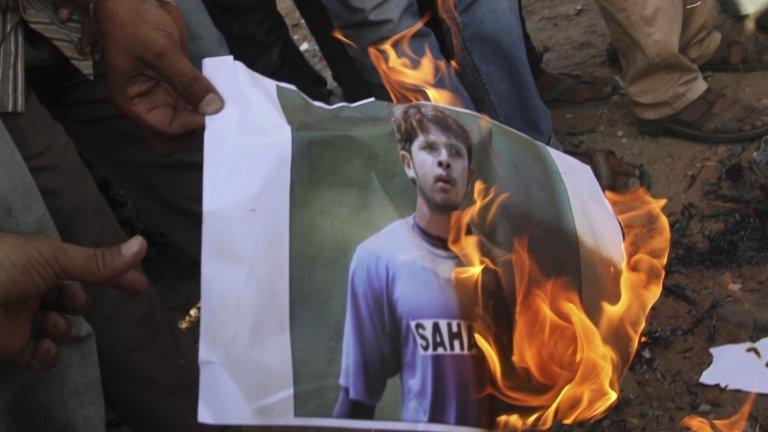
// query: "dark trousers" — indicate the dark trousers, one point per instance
point(343, 67)
point(258, 36)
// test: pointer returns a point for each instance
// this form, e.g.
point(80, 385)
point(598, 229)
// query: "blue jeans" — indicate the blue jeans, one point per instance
point(494, 73)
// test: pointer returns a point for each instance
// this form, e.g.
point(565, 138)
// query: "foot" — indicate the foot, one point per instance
point(611, 171)
point(713, 117)
point(738, 55)
point(561, 89)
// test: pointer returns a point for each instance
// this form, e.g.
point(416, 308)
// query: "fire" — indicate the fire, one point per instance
point(562, 367)
point(340, 36)
point(446, 9)
point(409, 77)
point(733, 424)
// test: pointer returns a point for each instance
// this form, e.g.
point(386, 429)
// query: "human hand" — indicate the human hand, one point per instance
point(39, 283)
point(88, 34)
point(149, 75)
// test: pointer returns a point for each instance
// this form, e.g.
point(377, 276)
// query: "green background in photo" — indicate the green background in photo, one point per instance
point(347, 183)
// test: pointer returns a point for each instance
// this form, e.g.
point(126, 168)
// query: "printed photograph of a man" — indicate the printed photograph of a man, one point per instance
point(403, 315)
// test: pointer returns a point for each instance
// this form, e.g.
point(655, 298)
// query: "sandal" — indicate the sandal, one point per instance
point(565, 90)
point(737, 55)
point(713, 117)
point(611, 171)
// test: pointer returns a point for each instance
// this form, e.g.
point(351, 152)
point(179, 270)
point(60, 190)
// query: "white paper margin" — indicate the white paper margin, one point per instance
point(244, 261)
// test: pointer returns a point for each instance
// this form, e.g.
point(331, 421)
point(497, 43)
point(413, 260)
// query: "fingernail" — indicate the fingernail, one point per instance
point(211, 104)
point(131, 246)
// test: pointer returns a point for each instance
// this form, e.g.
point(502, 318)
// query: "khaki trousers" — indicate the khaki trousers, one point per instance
point(660, 44)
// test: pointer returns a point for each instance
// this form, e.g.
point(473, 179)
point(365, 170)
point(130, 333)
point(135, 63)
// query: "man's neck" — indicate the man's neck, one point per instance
point(434, 222)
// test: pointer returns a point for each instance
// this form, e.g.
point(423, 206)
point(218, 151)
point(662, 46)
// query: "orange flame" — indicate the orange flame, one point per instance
point(446, 9)
point(563, 368)
point(340, 36)
point(411, 78)
point(733, 424)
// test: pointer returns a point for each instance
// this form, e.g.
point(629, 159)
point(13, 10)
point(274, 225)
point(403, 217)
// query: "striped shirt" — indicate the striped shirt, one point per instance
point(41, 16)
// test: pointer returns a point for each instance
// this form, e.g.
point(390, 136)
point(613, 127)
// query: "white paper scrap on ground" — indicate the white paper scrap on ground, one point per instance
point(739, 367)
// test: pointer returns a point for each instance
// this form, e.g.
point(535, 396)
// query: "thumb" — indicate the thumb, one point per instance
point(102, 265)
point(189, 84)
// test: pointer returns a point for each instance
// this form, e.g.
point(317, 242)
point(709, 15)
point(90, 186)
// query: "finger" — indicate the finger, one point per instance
point(45, 355)
point(133, 281)
point(178, 20)
point(154, 105)
point(100, 265)
point(57, 327)
point(67, 297)
point(39, 355)
point(161, 112)
point(175, 121)
point(188, 83)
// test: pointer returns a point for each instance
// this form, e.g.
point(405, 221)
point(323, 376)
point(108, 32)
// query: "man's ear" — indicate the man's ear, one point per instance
point(407, 161)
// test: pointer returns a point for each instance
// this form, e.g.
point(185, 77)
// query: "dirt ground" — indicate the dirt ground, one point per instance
point(715, 291)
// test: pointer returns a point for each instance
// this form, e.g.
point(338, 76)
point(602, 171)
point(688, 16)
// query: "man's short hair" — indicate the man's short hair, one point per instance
point(414, 119)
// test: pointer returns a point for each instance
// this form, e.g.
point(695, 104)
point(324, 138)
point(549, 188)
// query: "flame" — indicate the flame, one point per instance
point(340, 36)
point(409, 77)
point(446, 9)
point(563, 368)
point(733, 424)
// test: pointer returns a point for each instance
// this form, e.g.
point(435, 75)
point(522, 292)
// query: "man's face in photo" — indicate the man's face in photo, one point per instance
point(439, 165)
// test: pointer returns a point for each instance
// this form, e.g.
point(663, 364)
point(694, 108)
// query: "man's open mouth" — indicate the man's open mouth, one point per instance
point(445, 181)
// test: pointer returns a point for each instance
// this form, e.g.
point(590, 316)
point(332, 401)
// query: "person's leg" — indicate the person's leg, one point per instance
point(659, 43)
point(699, 39)
point(564, 89)
point(343, 68)
point(149, 367)
point(205, 40)
point(369, 23)
point(494, 74)
point(535, 58)
point(660, 80)
point(494, 68)
point(69, 396)
point(258, 36)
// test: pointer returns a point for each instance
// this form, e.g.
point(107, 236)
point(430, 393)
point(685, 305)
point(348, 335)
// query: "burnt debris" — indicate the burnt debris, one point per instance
point(730, 225)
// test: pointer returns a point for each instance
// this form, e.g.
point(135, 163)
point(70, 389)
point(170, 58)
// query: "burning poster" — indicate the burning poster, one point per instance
point(328, 299)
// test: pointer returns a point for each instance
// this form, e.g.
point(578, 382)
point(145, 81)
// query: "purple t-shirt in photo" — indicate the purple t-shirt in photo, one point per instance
point(405, 316)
